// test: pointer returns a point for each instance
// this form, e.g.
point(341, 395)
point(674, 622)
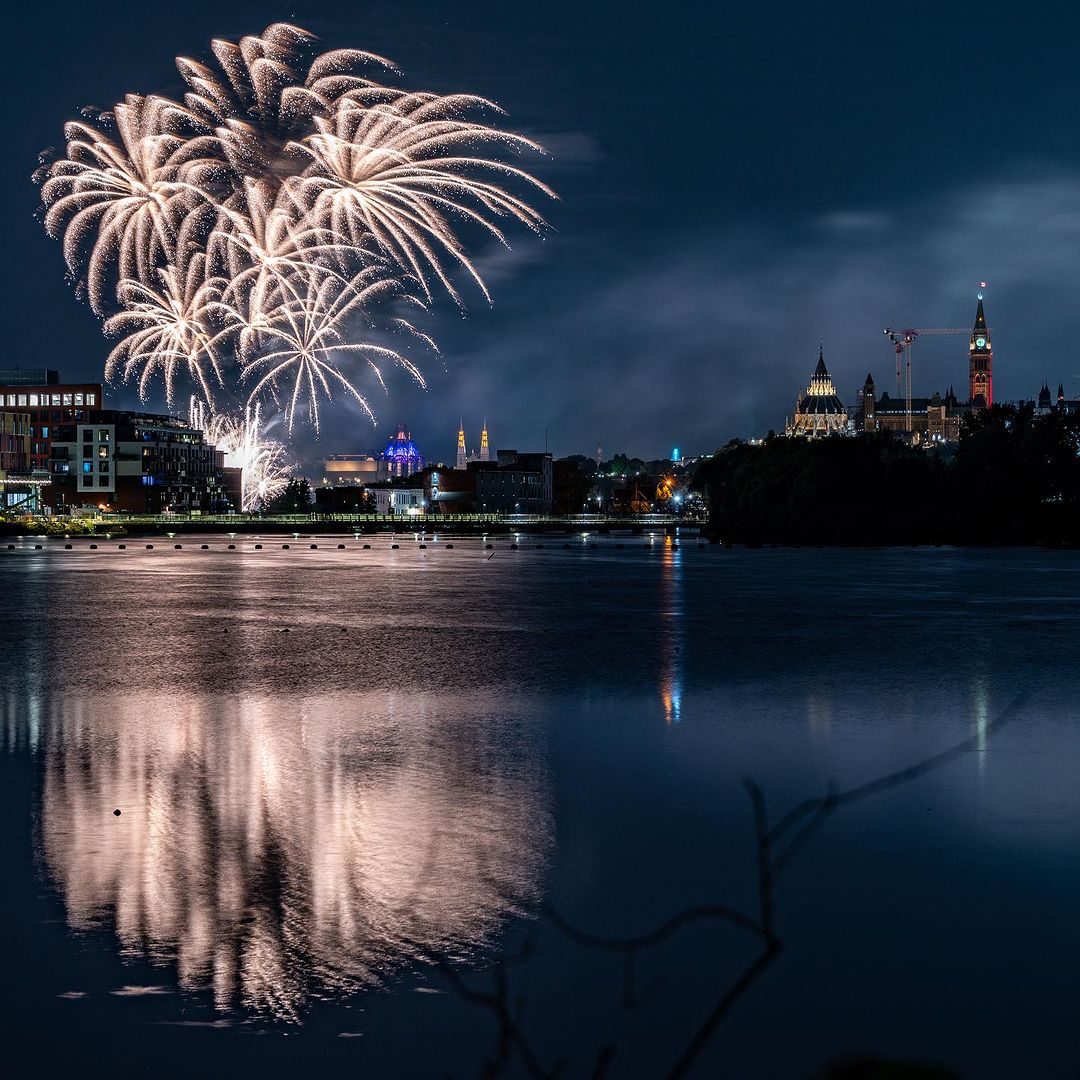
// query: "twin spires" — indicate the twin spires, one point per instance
point(463, 457)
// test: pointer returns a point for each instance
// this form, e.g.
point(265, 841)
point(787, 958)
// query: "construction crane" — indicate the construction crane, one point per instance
point(902, 341)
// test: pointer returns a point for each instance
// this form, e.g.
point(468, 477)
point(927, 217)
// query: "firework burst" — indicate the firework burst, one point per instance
point(241, 238)
point(246, 443)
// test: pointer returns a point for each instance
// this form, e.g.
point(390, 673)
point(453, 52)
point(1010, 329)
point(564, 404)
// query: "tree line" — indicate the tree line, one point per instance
point(1013, 478)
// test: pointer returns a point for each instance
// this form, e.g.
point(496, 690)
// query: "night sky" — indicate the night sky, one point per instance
point(735, 182)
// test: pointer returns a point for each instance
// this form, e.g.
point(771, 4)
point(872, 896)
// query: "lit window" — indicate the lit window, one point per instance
point(44, 432)
point(91, 399)
point(78, 399)
point(56, 399)
point(87, 467)
point(103, 435)
point(67, 399)
point(11, 399)
point(33, 399)
point(22, 399)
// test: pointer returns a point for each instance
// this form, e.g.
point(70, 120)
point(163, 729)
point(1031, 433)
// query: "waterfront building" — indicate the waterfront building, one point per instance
point(139, 463)
point(401, 455)
point(819, 411)
point(410, 501)
point(21, 486)
point(49, 403)
point(354, 469)
point(514, 483)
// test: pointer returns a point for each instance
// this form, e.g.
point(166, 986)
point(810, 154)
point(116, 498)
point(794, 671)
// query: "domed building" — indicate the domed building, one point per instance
point(819, 411)
point(401, 456)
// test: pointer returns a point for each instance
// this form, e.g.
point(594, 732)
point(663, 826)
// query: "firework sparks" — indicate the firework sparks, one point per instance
point(398, 167)
point(263, 462)
point(307, 342)
point(237, 238)
point(166, 329)
point(125, 198)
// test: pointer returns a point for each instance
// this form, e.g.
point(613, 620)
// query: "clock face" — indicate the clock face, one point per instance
point(980, 342)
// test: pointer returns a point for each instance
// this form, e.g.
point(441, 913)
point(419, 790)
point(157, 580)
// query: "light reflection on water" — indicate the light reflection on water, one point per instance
point(311, 812)
point(281, 849)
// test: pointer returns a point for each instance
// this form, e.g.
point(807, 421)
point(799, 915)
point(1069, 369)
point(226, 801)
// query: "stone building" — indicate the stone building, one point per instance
point(819, 411)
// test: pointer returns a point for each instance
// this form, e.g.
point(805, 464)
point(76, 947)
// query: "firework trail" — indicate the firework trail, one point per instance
point(306, 340)
point(242, 237)
point(246, 443)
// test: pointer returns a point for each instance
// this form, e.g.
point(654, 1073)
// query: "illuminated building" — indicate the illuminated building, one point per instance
point(936, 418)
point(514, 483)
point(981, 363)
point(410, 501)
point(140, 463)
point(463, 458)
point(819, 411)
point(21, 488)
point(401, 456)
point(39, 392)
point(341, 469)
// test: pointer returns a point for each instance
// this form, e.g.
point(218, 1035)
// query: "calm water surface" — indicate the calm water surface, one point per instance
point(361, 791)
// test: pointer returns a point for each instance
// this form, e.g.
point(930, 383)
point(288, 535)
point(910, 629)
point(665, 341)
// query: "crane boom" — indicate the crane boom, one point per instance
point(903, 340)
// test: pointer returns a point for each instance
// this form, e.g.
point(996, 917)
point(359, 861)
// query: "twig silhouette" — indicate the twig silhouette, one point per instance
point(797, 826)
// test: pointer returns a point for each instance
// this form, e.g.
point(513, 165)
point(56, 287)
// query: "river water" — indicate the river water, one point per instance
point(367, 799)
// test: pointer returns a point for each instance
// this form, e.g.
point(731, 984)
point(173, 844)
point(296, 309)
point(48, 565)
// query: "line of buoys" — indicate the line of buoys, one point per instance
point(701, 545)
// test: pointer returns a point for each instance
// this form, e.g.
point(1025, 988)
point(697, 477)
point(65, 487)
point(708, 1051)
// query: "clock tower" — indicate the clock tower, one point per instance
point(981, 362)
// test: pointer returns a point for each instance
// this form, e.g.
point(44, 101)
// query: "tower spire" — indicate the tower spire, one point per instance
point(485, 452)
point(981, 361)
point(461, 457)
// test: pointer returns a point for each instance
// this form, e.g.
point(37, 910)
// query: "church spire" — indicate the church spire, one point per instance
point(485, 452)
point(821, 371)
point(461, 458)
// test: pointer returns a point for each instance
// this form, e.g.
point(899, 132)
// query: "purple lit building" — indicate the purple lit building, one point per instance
point(401, 456)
